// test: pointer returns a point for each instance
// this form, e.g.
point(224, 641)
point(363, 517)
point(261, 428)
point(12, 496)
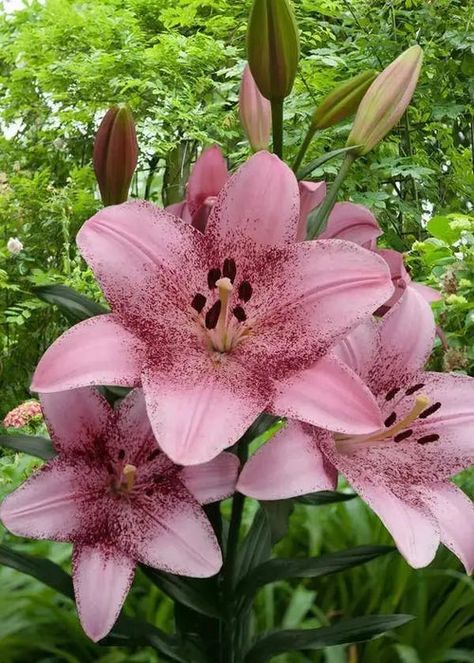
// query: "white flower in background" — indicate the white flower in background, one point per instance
point(14, 246)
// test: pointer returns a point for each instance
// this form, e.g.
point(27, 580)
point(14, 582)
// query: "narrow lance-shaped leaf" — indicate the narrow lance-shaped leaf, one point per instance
point(324, 497)
point(75, 306)
point(40, 447)
point(345, 632)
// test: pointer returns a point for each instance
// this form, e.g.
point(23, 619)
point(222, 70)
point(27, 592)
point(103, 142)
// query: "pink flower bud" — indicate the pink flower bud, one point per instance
point(386, 100)
point(115, 154)
point(14, 246)
point(255, 112)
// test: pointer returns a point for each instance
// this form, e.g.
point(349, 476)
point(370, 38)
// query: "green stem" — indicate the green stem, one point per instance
point(229, 652)
point(303, 149)
point(277, 127)
point(328, 203)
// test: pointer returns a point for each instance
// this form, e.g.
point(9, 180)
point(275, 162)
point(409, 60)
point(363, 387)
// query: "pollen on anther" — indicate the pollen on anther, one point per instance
point(212, 316)
point(426, 439)
point(199, 302)
point(403, 435)
point(229, 269)
point(245, 291)
point(390, 420)
point(415, 387)
point(392, 393)
point(431, 410)
point(213, 276)
point(239, 314)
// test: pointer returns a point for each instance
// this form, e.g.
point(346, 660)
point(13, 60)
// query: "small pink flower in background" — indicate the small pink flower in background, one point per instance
point(402, 470)
point(14, 246)
point(217, 325)
point(255, 112)
point(208, 176)
point(119, 500)
point(357, 224)
point(22, 414)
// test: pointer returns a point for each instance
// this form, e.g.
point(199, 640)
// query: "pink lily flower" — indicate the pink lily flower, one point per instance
point(119, 500)
point(218, 327)
point(255, 112)
point(208, 176)
point(357, 224)
point(402, 470)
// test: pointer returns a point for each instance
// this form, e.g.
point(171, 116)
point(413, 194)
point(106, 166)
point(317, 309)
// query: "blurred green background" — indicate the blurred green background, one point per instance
point(178, 64)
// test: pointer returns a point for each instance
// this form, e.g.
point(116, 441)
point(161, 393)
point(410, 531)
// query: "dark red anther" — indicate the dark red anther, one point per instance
point(121, 454)
point(392, 393)
point(430, 410)
point(426, 439)
point(110, 468)
point(229, 269)
point(213, 276)
point(390, 420)
point(239, 314)
point(212, 316)
point(416, 387)
point(245, 291)
point(403, 435)
point(199, 302)
point(154, 454)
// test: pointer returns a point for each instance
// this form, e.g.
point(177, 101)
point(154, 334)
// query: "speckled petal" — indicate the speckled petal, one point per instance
point(44, 507)
point(97, 351)
point(102, 578)
point(260, 201)
point(289, 464)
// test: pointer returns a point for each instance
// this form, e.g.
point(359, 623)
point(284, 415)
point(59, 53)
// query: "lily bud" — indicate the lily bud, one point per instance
point(273, 47)
point(343, 101)
point(115, 154)
point(385, 101)
point(255, 112)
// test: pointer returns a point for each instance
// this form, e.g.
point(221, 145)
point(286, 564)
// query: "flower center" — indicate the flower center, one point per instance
point(395, 429)
point(221, 316)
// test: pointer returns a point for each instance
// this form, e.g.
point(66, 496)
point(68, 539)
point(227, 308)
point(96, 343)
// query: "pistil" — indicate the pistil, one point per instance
point(129, 474)
point(225, 288)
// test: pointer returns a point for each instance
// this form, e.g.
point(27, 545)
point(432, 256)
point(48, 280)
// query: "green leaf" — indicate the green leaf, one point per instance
point(197, 594)
point(439, 227)
point(325, 497)
point(33, 445)
point(312, 567)
point(42, 569)
point(307, 170)
point(345, 632)
point(278, 513)
point(125, 632)
point(76, 307)
point(256, 547)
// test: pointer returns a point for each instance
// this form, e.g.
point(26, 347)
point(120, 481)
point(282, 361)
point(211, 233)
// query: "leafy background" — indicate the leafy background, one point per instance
point(62, 63)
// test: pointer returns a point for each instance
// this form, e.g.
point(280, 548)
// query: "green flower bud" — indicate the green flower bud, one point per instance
point(115, 154)
point(343, 101)
point(273, 48)
point(385, 101)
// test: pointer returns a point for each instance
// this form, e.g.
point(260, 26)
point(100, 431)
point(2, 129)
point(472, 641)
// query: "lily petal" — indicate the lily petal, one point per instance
point(429, 294)
point(200, 407)
point(208, 176)
point(352, 222)
point(359, 349)
point(132, 423)
point(95, 352)
point(178, 537)
point(454, 512)
point(45, 506)
point(412, 526)
point(289, 464)
point(102, 579)
point(312, 194)
point(212, 481)
point(260, 201)
point(329, 395)
point(75, 417)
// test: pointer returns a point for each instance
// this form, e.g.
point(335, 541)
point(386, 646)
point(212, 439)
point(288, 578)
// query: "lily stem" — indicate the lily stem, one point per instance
point(277, 127)
point(303, 149)
point(322, 215)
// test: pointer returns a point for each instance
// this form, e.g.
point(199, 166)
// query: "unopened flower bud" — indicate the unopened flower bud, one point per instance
point(343, 101)
point(255, 112)
point(385, 101)
point(115, 154)
point(273, 47)
point(14, 246)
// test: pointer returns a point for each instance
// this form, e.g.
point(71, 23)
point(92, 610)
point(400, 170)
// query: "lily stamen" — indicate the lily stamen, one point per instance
point(129, 474)
point(225, 288)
